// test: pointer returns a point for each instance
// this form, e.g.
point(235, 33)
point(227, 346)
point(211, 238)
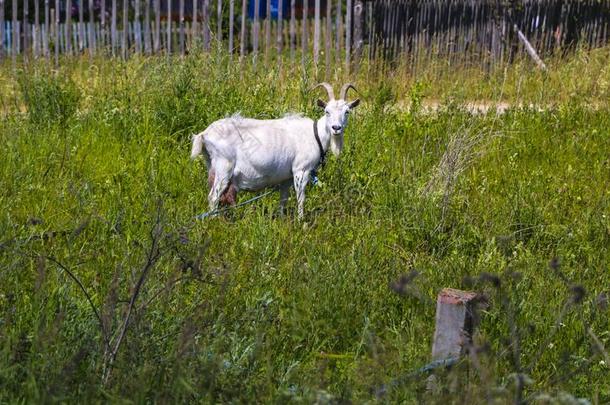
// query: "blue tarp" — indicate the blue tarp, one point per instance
point(262, 8)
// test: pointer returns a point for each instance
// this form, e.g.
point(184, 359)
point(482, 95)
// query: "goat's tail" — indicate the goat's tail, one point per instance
point(197, 147)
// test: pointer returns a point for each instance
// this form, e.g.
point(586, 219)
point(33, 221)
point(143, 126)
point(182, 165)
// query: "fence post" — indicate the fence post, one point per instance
point(456, 318)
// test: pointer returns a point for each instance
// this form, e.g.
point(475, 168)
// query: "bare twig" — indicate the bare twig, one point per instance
point(152, 257)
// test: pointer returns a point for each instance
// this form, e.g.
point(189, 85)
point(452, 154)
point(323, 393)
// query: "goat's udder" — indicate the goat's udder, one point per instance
point(229, 195)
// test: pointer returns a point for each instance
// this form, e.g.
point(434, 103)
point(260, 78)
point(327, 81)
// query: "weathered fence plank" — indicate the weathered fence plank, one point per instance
point(15, 34)
point(293, 31)
point(316, 34)
point(26, 29)
point(56, 32)
point(157, 35)
point(338, 31)
point(255, 31)
point(81, 26)
point(126, 28)
point(242, 40)
point(206, 25)
point(304, 41)
point(219, 21)
point(181, 26)
point(168, 33)
point(358, 31)
point(147, 41)
point(267, 31)
point(280, 32)
point(327, 38)
point(113, 30)
point(2, 28)
point(137, 26)
point(91, 30)
point(36, 40)
point(231, 25)
point(348, 36)
point(45, 41)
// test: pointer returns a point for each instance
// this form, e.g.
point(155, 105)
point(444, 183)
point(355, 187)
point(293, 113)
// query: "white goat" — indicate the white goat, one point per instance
point(250, 154)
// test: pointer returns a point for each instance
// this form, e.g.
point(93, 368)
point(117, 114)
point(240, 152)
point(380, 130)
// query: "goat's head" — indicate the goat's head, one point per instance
point(337, 112)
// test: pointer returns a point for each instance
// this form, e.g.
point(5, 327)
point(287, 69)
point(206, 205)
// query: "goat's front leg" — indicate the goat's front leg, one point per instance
point(300, 182)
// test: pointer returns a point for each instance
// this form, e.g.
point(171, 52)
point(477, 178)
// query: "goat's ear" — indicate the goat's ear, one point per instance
point(321, 104)
point(354, 103)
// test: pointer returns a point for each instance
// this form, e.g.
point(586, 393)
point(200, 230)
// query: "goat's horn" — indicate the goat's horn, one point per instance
point(328, 87)
point(345, 88)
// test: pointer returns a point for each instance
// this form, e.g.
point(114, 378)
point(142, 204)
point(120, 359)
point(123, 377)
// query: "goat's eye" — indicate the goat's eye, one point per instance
point(327, 113)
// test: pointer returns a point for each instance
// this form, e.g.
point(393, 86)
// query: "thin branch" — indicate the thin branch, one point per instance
point(80, 285)
point(152, 257)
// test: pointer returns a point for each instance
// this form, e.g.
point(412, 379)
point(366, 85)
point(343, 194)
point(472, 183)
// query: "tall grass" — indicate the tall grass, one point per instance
point(110, 291)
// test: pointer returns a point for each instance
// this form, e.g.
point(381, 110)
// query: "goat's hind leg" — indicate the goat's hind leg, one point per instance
point(300, 182)
point(284, 194)
point(220, 177)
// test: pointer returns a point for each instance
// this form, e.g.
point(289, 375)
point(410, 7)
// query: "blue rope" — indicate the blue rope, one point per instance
point(382, 390)
point(241, 204)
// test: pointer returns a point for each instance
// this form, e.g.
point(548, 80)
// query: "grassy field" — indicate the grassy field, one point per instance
point(110, 291)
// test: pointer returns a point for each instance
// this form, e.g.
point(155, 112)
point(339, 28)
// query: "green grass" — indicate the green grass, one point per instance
point(251, 306)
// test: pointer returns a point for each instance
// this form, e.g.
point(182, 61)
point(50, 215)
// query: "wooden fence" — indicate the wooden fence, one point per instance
point(326, 32)
point(475, 28)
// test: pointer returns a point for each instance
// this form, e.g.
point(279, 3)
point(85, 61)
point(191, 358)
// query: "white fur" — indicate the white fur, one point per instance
point(254, 154)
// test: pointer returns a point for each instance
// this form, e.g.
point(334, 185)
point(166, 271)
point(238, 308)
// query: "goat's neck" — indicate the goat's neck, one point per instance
point(323, 133)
